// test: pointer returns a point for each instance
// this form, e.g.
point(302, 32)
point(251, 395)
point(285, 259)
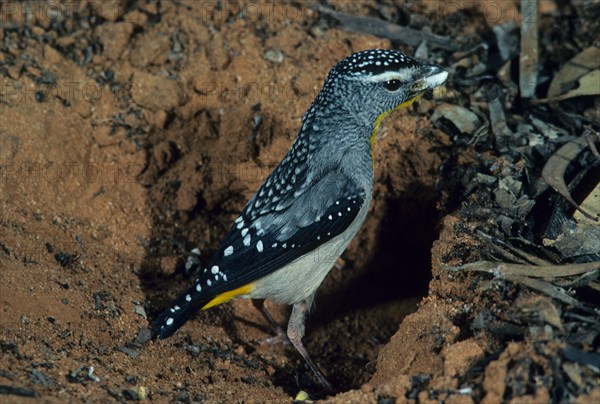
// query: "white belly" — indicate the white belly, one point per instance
point(300, 279)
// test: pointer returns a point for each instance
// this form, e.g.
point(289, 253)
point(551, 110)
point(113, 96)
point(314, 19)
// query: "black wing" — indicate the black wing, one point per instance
point(263, 240)
point(252, 252)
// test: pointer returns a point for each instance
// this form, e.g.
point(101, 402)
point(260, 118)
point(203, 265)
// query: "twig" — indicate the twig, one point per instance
point(555, 292)
point(511, 252)
point(588, 133)
point(535, 271)
point(526, 275)
point(380, 28)
point(528, 59)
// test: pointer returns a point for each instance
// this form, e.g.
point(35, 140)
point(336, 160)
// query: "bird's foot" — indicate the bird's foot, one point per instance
point(279, 338)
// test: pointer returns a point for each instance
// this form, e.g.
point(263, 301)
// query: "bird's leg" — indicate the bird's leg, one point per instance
point(295, 333)
point(280, 336)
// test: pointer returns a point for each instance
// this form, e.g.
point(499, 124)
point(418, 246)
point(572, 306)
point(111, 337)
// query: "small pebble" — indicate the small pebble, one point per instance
point(142, 393)
point(139, 310)
point(302, 396)
point(274, 56)
point(317, 31)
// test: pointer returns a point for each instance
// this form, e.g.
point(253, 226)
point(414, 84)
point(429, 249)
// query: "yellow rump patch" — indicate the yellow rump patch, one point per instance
point(223, 297)
point(380, 118)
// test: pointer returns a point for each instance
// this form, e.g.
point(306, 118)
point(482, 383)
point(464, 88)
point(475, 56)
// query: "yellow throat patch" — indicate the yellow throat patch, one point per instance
point(383, 115)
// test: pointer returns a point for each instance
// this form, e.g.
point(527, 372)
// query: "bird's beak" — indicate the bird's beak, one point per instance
point(431, 76)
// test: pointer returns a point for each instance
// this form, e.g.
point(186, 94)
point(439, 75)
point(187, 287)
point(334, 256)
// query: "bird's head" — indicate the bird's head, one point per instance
point(369, 84)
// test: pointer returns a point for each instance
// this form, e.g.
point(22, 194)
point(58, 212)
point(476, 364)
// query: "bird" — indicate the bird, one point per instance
point(306, 212)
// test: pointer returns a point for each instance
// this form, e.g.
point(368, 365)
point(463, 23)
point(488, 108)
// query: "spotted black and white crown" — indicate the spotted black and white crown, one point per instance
point(371, 62)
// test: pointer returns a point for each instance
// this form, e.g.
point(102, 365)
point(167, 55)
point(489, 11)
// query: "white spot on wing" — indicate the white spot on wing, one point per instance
point(259, 246)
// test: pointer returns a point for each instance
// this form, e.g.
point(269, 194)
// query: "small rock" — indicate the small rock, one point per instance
point(82, 374)
point(37, 30)
point(132, 353)
point(38, 377)
point(194, 350)
point(142, 392)
point(150, 50)
point(156, 92)
point(65, 41)
point(150, 8)
point(51, 55)
point(143, 337)
point(302, 396)
point(15, 71)
point(193, 262)
point(131, 379)
point(274, 56)
point(114, 38)
point(317, 31)
point(111, 10)
point(130, 394)
point(63, 258)
point(139, 310)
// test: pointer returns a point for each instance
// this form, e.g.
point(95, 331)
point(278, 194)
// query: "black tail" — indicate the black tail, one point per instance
point(180, 311)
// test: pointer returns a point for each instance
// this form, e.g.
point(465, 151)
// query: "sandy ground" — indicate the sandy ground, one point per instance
point(131, 138)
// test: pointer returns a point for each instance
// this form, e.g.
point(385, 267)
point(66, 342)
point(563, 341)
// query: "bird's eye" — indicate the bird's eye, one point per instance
point(392, 85)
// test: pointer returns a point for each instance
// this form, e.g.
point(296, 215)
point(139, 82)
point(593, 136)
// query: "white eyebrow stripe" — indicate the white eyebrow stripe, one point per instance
point(403, 75)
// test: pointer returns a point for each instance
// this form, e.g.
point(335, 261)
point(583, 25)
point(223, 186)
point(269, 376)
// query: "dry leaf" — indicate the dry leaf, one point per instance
point(584, 62)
